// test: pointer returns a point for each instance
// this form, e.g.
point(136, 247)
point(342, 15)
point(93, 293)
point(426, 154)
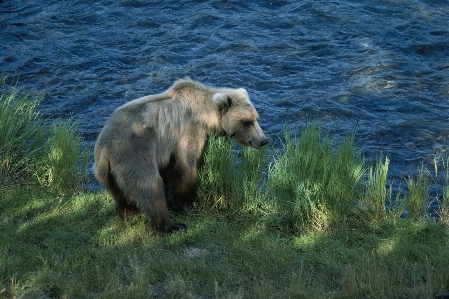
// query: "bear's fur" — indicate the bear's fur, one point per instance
point(151, 146)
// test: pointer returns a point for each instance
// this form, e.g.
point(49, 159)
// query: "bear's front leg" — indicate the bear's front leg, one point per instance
point(184, 192)
point(182, 174)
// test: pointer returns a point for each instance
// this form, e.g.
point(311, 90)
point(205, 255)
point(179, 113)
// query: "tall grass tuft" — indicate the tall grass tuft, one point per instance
point(376, 194)
point(418, 197)
point(216, 186)
point(66, 162)
point(250, 179)
point(442, 199)
point(444, 205)
point(21, 136)
point(230, 180)
point(30, 149)
point(345, 180)
point(294, 179)
point(311, 184)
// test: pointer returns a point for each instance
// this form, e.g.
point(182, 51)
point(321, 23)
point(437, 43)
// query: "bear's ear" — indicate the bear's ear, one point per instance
point(243, 92)
point(222, 99)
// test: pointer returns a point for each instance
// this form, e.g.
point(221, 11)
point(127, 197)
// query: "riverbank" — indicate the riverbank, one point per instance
point(309, 220)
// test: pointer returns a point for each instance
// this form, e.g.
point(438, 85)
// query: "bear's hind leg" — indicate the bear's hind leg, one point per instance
point(104, 175)
point(153, 204)
point(124, 208)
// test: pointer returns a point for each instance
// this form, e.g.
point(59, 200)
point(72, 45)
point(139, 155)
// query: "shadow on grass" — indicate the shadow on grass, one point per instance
point(76, 247)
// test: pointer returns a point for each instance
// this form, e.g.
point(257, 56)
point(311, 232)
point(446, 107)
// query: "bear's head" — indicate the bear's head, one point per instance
point(239, 118)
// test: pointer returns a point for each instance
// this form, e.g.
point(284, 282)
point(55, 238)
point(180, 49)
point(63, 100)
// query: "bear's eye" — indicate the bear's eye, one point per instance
point(247, 123)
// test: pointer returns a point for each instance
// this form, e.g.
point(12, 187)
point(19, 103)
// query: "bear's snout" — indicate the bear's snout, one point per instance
point(258, 143)
point(264, 142)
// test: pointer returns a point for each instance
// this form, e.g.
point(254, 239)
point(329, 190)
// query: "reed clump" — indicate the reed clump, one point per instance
point(230, 180)
point(34, 152)
point(22, 136)
point(311, 184)
point(65, 162)
point(376, 193)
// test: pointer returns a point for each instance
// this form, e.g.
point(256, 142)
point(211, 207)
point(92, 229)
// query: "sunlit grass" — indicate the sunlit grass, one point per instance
point(231, 181)
point(311, 183)
point(216, 185)
point(75, 247)
point(306, 181)
point(441, 165)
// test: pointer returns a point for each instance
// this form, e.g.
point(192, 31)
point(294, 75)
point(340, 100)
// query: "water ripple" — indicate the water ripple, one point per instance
point(379, 69)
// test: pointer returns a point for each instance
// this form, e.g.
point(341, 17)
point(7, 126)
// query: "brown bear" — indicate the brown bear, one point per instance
point(151, 146)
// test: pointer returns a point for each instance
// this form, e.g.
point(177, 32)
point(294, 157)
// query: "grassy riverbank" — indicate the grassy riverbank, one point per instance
point(311, 220)
point(76, 247)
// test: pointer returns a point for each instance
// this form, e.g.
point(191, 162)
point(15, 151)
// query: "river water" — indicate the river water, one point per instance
point(379, 69)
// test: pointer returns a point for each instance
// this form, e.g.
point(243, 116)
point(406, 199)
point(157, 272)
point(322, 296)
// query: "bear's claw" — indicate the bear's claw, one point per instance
point(176, 227)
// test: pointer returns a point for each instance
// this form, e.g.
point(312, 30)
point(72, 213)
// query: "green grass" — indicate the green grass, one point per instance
point(76, 247)
point(21, 136)
point(376, 195)
point(310, 220)
point(418, 187)
point(227, 186)
point(65, 163)
point(31, 151)
point(312, 185)
point(443, 200)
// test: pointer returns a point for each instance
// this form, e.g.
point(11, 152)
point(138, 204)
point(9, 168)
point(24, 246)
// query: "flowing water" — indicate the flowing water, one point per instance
point(379, 69)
